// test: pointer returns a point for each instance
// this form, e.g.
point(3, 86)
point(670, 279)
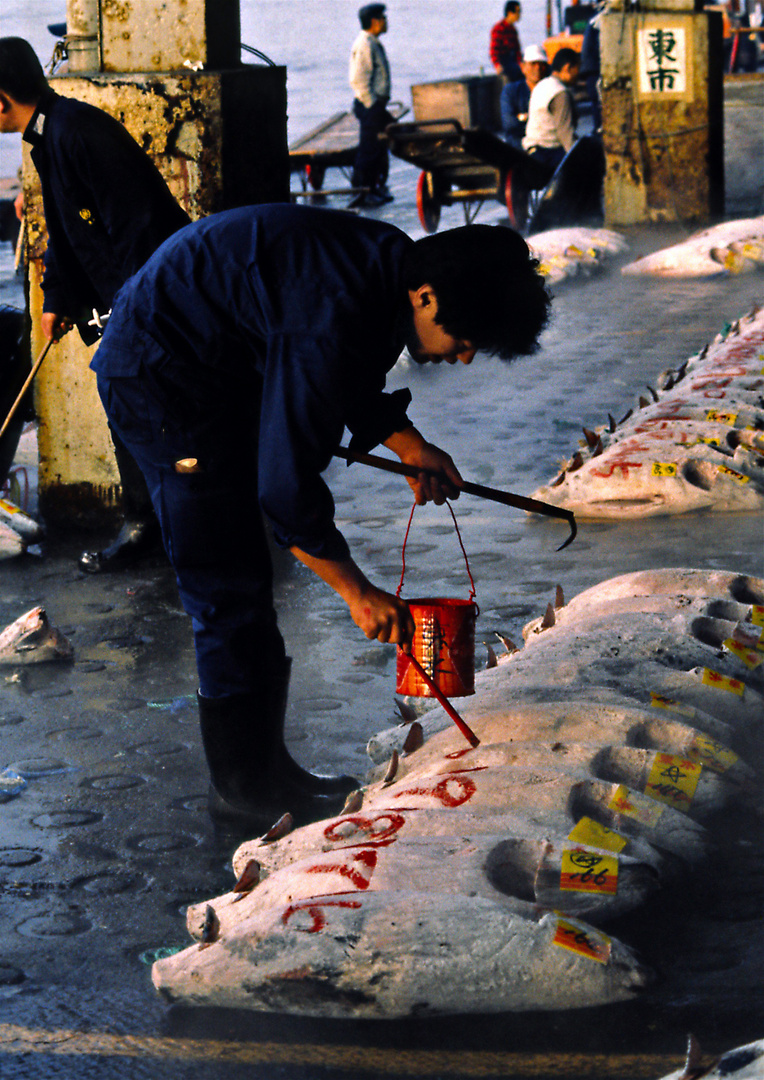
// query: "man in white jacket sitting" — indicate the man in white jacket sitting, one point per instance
point(551, 128)
point(370, 82)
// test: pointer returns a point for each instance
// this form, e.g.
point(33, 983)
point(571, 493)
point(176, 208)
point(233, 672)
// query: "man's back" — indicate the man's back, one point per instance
point(106, 205)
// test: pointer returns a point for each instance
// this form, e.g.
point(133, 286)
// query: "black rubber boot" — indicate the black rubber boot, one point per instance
point(254, 778)
point(135, 540)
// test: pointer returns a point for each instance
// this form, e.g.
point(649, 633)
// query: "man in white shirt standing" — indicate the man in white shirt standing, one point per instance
point(370, 82)
point(551, 128)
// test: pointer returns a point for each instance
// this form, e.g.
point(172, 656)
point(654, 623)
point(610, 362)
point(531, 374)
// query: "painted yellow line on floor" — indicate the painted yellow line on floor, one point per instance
point(15, 1039)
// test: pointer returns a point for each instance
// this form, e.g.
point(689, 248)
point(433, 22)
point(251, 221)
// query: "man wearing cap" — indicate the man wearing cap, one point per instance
point(370, 82)
point(515, 96)
point(551, 128)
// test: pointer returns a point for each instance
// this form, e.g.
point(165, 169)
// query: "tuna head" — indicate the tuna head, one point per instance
point(31, 640)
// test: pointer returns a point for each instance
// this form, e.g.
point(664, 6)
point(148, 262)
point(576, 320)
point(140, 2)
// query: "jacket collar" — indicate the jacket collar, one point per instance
point(35, 128)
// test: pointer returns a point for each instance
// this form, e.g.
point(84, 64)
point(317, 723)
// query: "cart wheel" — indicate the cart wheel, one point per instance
point(315, 175)
point(427, 203)
point(516, 201)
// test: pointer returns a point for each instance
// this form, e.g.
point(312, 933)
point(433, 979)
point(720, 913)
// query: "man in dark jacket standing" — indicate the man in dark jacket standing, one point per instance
point(107, 209)
point(231, 366)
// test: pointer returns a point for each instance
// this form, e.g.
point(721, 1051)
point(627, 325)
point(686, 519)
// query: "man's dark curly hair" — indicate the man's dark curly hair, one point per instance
point(21, 74)
point(487, 284)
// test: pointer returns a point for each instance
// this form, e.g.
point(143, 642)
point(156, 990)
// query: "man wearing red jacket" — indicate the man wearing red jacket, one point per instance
point(504, 48)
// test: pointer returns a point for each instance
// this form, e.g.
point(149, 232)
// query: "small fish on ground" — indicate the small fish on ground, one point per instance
point(32, 640)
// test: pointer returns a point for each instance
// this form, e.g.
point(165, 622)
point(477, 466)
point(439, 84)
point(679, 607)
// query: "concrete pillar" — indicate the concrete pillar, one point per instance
point(218, 136)
point(662, 112)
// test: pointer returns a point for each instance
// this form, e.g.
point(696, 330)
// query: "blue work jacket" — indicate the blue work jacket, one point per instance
point(302, 310)
point(107, 208)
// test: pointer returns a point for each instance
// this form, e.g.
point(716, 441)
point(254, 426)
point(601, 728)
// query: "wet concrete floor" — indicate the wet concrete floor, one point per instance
point(109, 841)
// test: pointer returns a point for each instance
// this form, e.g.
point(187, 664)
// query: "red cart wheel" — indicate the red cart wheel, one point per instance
point(516, 201)
point(427, 203)
point(315, 174)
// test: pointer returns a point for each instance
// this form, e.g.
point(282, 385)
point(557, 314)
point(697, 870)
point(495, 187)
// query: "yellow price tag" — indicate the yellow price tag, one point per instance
point(722, 682)
point(663, 468)
point(673, 780)
point(629, 803)
point(750, 657)
point(589, 872)
point(582, 940)
point(728, 418)
point(736, 476)
point(757, 615)
point(712, 754)
point(590, 833)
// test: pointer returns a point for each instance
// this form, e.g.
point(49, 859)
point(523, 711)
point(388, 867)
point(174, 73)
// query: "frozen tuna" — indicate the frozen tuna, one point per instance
point(563, 253)
point(483, 878)
point(732, 247)
point(398, 954)
point(692, 445)
point(11, 543)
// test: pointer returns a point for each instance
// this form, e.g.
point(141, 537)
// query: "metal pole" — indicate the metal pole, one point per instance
point(83, 35)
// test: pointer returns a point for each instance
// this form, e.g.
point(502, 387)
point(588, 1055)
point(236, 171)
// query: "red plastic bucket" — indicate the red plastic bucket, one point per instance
point(444, 644)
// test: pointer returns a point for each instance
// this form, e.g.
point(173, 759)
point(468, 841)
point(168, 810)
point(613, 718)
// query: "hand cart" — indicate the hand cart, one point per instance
point(462, 165)
point(333, 144)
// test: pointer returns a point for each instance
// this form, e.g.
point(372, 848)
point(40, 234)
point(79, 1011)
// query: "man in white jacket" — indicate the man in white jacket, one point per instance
point(370, 82)
point(551, 128)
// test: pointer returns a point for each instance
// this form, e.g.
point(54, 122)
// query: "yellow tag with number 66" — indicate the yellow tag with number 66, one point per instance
point(588, 871)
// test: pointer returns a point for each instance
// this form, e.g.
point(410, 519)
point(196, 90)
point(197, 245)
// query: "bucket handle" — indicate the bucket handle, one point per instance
point(461, 545)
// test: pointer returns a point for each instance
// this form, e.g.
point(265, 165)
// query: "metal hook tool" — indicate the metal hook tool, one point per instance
point(534, 506)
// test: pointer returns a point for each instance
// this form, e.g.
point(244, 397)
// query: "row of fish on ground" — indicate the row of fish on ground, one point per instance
point(482, 878)
point(733, 247)
point(693, 441)
point(727, 248)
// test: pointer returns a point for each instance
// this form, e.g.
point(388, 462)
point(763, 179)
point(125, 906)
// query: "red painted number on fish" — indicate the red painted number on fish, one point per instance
point(373, 828)
point(358, 869)
point(452, 791)
point(624, 467)
point(314, 908)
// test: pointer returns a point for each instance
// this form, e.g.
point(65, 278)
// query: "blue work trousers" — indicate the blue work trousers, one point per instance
point(211, 523)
